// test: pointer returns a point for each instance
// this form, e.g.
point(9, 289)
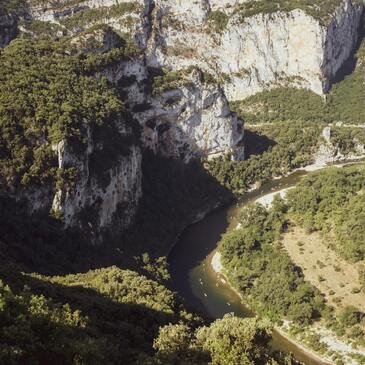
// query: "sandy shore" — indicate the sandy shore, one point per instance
point(217, 263)
point(327, 337)
point(267, 199)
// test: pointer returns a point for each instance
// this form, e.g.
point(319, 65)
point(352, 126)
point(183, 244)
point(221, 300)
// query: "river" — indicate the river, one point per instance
point(196, 281)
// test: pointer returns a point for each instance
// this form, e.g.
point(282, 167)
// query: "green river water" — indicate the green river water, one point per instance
point(196, 281)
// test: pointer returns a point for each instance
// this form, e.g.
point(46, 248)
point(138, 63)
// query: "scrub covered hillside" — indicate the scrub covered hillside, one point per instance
point(333, 203)
point(260, 267)
point(320, 10)
point(112, 316)
point(83, 102)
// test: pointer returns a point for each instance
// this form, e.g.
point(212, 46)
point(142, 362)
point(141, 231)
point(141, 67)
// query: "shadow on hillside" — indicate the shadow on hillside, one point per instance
point(350, 65)
point(256, 144)
point(174, 194)
point(119, 332)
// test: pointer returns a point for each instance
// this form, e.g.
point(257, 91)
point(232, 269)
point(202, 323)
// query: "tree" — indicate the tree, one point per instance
point(239, 341)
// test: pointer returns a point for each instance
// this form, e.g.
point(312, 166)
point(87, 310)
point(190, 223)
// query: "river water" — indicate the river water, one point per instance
point(194, 278)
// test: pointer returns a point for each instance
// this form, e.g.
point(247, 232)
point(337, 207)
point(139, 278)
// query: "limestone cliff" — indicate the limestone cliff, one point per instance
point(247, 52)
point(185, 118)
point(99, 198)
point(106, 190)
point(253, 53)
point(192, 119)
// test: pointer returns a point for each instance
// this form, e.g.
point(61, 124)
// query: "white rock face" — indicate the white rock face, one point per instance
point(249, 55)
point(105, 194)
point(192, 12)
point(259, 52)
point(328, 152)
point(113, 194)
point(191, 119)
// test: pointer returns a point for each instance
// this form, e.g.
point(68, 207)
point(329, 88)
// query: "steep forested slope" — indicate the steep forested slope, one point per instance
point(98, 167)
point(333, 202)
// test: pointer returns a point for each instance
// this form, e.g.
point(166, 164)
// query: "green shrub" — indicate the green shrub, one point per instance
point(219, 20)
point(350, 316)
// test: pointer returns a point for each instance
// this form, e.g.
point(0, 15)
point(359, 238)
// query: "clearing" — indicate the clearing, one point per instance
point(325, 269)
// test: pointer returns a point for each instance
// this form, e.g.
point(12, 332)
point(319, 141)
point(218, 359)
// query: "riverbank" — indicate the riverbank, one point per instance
point(217, 266)
point(328, 342)
point(326, 336)
point(267, 199)
point(199, 216)
point(193, 276)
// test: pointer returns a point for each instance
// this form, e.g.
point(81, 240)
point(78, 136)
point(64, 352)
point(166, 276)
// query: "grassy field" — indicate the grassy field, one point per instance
point(325, 269)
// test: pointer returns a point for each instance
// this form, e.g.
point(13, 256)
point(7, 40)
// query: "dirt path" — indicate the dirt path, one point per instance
point(333, 276)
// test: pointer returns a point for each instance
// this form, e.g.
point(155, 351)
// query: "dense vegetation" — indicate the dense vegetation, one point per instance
point(49, 96)
point(114, 316)
point(263, 272)
point(218, 20)
point(281, 104)
point(333, 202)
point(92, 16)
point(12, 6)
point(286, 146)
point(105, 316)
point(319, 10)
point(348, 139)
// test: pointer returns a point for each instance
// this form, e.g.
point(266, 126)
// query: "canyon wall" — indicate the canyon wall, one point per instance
point(99, 198)
point(247, 53)
point(253, 53)
point(193, 58)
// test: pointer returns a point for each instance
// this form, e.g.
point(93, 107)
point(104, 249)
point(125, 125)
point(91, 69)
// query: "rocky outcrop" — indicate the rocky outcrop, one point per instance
point(99, 198)
point(186, 119)
point(330, 152)
point(98, 40)
point(106, 188)
point(8, 29)
point(257, 52)
point(191, 120)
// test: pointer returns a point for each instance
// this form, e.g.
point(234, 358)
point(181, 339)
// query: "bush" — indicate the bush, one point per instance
point(350, 316)
point(264, 272)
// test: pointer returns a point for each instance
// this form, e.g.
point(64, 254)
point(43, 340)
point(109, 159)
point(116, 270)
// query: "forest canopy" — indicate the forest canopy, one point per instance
point(48, 96)
point(333, 202)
